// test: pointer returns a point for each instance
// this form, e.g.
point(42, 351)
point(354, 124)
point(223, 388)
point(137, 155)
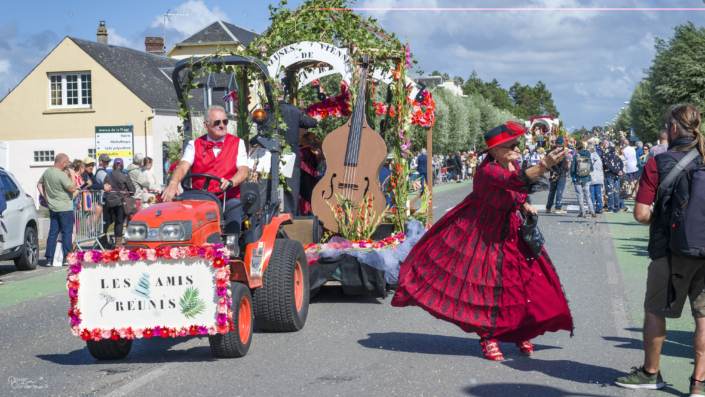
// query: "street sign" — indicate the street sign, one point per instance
point(116, 142)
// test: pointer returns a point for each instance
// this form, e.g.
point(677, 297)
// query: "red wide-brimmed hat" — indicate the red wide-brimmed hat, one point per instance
point(503, 133)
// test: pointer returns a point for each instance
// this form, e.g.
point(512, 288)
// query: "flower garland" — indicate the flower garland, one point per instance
point(337, 106)
point(215, 253)
point(359, 245)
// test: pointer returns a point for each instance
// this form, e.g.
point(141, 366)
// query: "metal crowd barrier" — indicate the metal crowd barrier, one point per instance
point(88, 226)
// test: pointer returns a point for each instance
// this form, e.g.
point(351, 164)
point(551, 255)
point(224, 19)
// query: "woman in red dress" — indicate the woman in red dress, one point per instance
point(472, 268)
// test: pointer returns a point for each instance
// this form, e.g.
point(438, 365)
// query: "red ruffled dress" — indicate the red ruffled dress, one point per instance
point(472, 268)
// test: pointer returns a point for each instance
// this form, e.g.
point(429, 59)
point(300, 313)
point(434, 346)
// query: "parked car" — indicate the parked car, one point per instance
point(20, 218)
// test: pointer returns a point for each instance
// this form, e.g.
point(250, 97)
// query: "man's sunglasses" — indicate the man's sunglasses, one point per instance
point(217, 122)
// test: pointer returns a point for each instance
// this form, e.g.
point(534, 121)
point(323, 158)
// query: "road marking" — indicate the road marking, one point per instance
point(449, 209)
point(620, 319)
point(141, 381)
point(435, 207)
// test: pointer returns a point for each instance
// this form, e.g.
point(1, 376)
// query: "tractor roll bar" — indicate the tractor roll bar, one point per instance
point(226, 61)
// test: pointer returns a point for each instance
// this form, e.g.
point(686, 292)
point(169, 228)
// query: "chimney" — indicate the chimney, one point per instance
point(102, 33)
point(154, 45)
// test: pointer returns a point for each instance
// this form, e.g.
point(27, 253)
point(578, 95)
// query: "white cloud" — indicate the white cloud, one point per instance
point(4, 66)
point(116, 39)
point(199, 16)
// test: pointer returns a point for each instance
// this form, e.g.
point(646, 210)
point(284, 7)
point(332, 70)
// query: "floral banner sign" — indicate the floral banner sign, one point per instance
point(167, 292)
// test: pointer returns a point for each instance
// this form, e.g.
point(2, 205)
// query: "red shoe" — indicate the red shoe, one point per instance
point(491, 350)
point(526, 347)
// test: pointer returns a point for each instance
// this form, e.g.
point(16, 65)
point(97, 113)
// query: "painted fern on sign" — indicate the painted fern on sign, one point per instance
point(191, 305)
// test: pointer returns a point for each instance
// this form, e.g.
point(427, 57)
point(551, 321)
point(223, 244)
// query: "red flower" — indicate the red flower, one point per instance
point(147, 333)
point(142, 253)
point(231, 326)
point(222, 283)
point(114, 335)
point(96, 335)
point(192, 251)
point(193, 330)
point(165, 332)
point(86, 334)
point(218, 262)
point(71, 313)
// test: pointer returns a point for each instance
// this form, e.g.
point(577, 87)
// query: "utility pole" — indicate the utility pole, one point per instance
point(167, 17)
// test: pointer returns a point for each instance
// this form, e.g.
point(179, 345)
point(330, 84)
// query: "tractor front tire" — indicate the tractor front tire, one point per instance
point(281, 305)
point(236, 343)
point(108, 349)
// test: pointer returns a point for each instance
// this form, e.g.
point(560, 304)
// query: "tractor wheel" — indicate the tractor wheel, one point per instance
point(281, 305)
point(236, 343)
point(108, 349)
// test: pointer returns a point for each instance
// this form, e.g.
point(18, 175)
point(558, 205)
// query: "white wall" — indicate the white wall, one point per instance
point(163, 125)
point(21, 152)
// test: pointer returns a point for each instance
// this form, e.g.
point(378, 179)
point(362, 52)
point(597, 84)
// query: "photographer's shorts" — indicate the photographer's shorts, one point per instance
point(688, 276)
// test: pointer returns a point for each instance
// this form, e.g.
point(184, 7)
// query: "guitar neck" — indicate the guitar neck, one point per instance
point(352, 153)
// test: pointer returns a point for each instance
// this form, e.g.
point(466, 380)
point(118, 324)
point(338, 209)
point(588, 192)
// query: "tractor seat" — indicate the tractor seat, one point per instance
point(204, 196)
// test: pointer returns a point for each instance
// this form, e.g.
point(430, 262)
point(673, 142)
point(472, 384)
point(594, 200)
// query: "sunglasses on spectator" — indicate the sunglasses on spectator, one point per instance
point(512, 147)
point(217, 122)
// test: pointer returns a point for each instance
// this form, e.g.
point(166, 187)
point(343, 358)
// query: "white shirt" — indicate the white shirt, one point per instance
point(190, 152)
point(630, 157)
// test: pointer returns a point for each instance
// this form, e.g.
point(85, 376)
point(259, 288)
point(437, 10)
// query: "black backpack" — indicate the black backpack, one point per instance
point(687, 218)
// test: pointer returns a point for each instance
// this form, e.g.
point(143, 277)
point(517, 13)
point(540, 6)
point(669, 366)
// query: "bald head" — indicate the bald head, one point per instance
point(61, 161)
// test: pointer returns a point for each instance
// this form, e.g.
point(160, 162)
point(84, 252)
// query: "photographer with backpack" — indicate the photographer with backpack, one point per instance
point(580, 170)
point(674, 183)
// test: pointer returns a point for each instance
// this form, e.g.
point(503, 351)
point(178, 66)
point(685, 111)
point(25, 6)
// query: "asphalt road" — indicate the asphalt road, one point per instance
point(353, 346)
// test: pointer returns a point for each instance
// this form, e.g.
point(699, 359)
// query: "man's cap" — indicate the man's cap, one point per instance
point(118, 161)
point(560, 141)
point(89, 161)
point(104, 157)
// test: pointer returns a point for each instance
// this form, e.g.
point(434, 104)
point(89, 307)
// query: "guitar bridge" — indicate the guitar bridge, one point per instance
point(352, 186)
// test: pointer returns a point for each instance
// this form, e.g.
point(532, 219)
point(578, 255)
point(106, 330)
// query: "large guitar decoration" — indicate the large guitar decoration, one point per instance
point(354, 154)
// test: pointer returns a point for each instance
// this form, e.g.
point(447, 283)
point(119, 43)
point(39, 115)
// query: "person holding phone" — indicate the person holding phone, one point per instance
point(474, 269)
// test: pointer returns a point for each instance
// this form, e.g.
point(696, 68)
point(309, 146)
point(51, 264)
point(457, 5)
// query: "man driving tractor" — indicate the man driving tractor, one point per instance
point(216, 153)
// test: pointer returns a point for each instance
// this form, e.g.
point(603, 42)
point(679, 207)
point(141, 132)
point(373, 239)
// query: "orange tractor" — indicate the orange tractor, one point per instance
point(269, 272)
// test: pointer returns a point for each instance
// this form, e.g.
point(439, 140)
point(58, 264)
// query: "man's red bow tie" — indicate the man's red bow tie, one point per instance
point(211, 145)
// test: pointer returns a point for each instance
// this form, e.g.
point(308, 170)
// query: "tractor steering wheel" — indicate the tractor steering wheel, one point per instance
point(209, 179)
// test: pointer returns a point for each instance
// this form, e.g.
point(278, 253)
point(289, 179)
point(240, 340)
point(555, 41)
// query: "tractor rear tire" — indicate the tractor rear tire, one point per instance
point(281, 305)
point(236, 343)
point(108, 349)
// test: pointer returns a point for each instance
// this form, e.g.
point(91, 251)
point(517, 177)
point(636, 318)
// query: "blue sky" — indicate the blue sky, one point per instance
point(590, 60)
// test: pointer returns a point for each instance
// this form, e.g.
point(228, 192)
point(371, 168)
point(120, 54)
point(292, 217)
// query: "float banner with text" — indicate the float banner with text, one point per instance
point(116, 142)
point(167, 293)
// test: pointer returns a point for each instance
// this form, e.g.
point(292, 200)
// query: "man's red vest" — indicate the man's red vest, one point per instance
point(223, 166)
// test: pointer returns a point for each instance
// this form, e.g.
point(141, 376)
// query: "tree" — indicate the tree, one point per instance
point(624, 121)
point(435, 73)
point(596, 128)
point(582, 131)
point(459, 80)
point(446, 76)
point(532, 101)
point(677, 74)
point(645, 119)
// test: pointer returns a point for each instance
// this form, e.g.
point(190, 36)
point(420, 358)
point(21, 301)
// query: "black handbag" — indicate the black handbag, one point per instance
point(532, 235)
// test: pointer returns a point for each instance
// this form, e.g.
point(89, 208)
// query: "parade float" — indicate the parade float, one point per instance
point(180, 273)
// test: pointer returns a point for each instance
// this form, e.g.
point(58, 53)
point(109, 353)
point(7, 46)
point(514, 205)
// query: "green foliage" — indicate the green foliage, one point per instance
point(532, 101)
point(646, 120)
point(581, 131)
point(624, 121)
point(462, 122)
point(523, 101)
point(676, 76)
point(191, 305)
